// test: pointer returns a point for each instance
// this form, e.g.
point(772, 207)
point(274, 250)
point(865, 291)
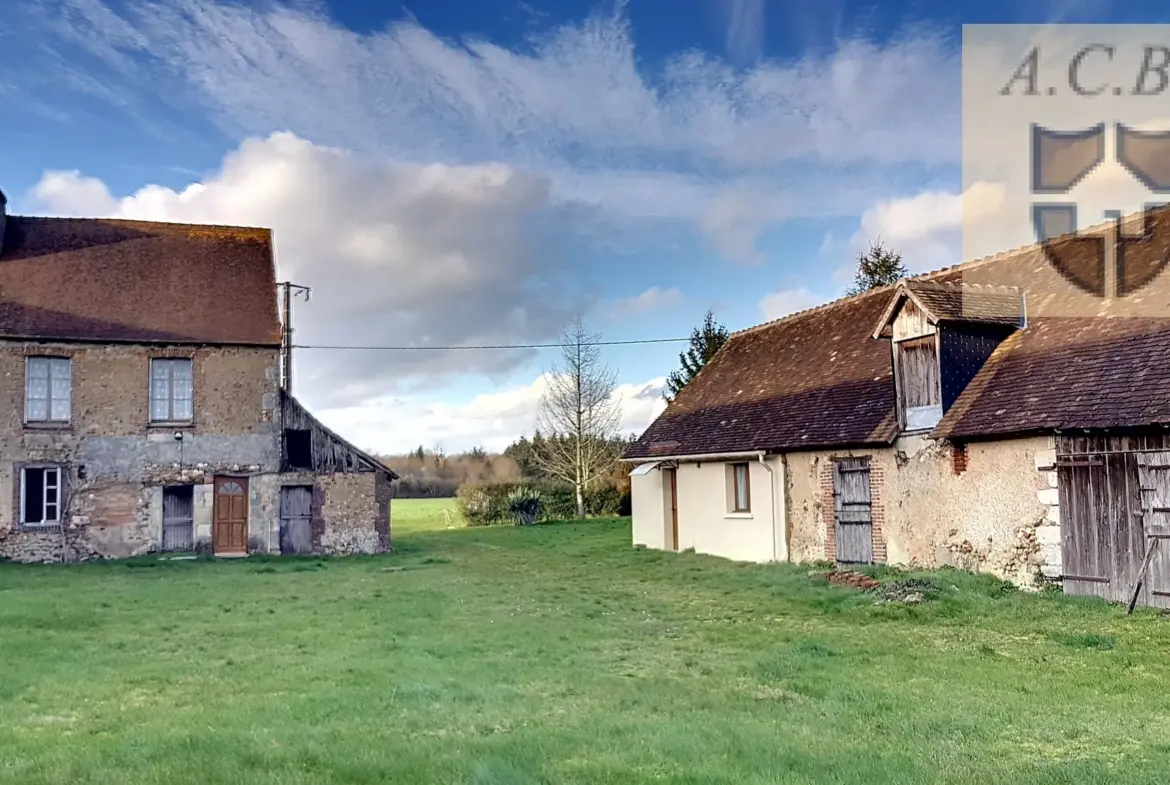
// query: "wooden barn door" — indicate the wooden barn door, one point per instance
point(1154, 483)
point(1102, 543)
point(296, 531)
point(854, 523)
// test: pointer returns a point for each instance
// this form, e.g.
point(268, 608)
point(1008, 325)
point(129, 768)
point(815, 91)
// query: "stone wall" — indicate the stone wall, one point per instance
point(350, 512)
point(351, 509)
point(1048, 530)
point(114, 463)
point(383, 494)
point(989, 508)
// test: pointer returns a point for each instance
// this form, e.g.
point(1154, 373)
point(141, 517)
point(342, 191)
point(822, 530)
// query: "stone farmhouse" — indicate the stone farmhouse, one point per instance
point(141, 407)
point(999, 416)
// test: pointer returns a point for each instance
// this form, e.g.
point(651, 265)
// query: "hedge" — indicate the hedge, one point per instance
point(488, 503)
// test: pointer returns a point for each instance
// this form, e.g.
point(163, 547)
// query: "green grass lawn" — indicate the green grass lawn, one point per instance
point(559, 654)
point(415, 515)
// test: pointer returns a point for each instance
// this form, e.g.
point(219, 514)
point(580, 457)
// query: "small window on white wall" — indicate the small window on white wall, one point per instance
point(739, 488)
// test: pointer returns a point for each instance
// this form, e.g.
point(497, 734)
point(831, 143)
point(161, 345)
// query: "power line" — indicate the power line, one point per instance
point(484, 347)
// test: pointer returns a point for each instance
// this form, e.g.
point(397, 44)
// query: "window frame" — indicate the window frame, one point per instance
point(45, 468)
point(170, 363)
point(734, 507)
point(51, 363)
point(918, 418)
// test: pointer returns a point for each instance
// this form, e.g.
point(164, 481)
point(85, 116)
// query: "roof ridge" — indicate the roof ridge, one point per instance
point(140, 222)
point(815, 308)
point(928, 276)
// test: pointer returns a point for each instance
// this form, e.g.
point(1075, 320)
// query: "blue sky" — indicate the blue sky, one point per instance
point(479, 172)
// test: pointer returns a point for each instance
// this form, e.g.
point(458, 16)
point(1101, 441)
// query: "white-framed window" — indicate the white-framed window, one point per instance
point(47, 386)
point(739, 488)
point(40, 495)
point(170, 390)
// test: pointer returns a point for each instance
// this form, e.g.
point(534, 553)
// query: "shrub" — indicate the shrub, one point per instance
point(525, 506)
point(560, 503)
point(490, 503)
point(603, 500)
point(481, 504)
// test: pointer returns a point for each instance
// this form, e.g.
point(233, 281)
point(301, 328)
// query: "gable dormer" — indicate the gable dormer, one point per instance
point(940, 335)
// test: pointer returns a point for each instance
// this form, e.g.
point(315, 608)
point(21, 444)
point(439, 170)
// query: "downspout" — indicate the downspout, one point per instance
point(281, 392)
point(772, 485)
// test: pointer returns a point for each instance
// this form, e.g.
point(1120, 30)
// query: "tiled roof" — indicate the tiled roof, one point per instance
point(812, 379)
point(819, 379)
point(967, 302)
point(112, 280)
point(1069, 372)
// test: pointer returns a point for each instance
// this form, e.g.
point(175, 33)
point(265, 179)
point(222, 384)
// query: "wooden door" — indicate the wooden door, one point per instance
point(854, 522)
point(1154, 483)
point(296, 532)
point(1102, 542)
point(178, 518)
point(230, 530)
point(672, 492)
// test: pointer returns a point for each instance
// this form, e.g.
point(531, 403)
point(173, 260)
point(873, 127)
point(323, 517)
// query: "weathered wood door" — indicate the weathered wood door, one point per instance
point(296, 533)
point(230, 529)
point(1154, 483)
point(671, 477)
point(854, 522)
point(1102, 529)
point(1087, 485)
point(178, 521)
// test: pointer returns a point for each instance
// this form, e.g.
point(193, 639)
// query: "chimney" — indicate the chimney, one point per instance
point(3, 218)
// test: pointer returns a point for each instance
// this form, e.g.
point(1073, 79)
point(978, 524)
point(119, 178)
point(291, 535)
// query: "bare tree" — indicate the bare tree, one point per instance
point(578, 415)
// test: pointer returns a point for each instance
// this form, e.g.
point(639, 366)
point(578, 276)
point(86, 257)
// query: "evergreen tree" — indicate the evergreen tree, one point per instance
point(876, 267)
point(705, 341)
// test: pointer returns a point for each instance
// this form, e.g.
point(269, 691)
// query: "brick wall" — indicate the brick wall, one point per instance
point(828, 509)
point(877, 484)
point(877, 496)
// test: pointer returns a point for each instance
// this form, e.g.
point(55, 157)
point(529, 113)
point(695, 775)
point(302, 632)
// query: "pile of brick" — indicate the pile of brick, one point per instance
point(850, 578)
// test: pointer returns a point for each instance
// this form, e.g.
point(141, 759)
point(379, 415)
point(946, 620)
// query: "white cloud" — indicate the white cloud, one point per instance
point(927, 228)
point(649, 300)
point(786, 301)
point(397, 424)
point(693, 140)
point(396, 254)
